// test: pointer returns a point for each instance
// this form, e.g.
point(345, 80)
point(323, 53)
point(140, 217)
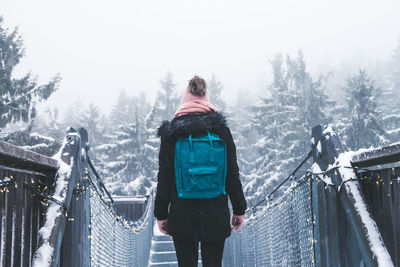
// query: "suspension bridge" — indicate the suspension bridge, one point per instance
point(344, 211)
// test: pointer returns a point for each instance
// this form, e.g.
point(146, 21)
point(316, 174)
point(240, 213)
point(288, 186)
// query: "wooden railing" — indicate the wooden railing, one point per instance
point(21, 211)
point(351, 204)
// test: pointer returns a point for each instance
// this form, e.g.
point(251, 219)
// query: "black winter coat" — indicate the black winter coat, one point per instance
point(196, 219)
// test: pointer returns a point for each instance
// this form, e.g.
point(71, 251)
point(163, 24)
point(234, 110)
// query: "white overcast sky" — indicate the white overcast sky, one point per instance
point(100, 47)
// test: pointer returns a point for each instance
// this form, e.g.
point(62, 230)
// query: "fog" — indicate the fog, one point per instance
point(102, 47)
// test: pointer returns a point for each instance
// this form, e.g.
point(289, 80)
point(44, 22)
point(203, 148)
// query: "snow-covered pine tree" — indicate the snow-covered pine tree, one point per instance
point(366, 128)
point(122, 110)
point(389, 100)
point(19, 96)
point(164, 107)
point(215, 87)
point(73, 115)
point(244, 134)
point(122, 161)
point(284, 121)
point(51, 125)
point(90, 120)
point(119, 153)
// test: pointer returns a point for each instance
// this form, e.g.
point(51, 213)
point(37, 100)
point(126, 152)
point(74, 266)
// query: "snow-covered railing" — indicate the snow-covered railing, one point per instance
point(60, 241)
point(79, 226)
point(21, 210)
point(114, 240)
point(280, 234)
point(379, 176)
point(330, 222)
point(346, 233)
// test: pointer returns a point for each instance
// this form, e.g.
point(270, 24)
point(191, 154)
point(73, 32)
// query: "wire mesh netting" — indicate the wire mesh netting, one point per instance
point(281, 234)
point(116, 241)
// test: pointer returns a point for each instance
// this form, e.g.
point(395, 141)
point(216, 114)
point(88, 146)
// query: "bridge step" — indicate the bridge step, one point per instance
point(162, 252)
point(162, 238)
point(164, 264)
point(163, 246)
point(164, 256)
point(169, 264)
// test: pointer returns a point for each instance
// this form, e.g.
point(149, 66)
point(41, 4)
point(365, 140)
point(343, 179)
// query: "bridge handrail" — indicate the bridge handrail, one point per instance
point(73, 181)
point(329, 213)
point(51, 234)
point(19, 208)
point(347, 189)
point(377, 156)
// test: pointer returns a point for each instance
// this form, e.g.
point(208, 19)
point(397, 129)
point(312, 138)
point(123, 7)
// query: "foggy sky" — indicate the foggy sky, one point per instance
point(101, 47)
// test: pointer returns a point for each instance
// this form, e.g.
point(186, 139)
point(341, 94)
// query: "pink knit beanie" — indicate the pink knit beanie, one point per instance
point(188, 96)
point(195, 98)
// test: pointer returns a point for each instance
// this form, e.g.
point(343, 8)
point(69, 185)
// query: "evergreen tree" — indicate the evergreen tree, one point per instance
point(165, 105)
point(284, 121)
point(167, 99)
point(214, 90)
point(119, 153)
point(121, 161)
point(366, 128)
point(122, 110)
point(389, 100)
point(18, 97)
point(52, 127)
point(73, 115)
point(90, 121)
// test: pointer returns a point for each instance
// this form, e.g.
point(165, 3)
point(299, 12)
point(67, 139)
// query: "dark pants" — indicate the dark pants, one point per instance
point(187, 253)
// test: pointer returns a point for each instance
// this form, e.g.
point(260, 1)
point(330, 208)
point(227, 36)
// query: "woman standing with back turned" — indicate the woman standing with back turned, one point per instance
point(190, 220)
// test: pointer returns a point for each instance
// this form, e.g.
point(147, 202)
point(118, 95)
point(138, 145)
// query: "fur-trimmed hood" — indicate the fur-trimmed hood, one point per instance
point(191, 124)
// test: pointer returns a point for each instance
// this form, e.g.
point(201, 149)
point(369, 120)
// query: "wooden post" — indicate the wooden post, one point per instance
point(331, 147)
point(70, 155)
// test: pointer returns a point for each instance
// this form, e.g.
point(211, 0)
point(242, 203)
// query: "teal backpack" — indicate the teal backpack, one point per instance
point(200, 166)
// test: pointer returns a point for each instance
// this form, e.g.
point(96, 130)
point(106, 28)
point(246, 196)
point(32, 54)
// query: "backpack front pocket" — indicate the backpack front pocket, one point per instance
point(208, 170)
point(201, 178)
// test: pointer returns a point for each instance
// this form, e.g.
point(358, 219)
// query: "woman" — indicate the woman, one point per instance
point(190, 221)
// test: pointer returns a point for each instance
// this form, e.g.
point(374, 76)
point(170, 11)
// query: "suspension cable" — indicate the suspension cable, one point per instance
point(99, 180)
point(284, 181)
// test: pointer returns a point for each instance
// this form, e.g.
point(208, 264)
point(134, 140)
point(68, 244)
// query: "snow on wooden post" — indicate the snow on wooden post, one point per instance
point(75, 248)
point(337, 244)
point(324, 202)
point(51, 234)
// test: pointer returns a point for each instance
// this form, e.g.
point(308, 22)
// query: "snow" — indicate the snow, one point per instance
point(44, 253)
point(106, 146)
point(375, 239)
point(317, 170)
point(3, 235)
point(37, 135)
point(13, 237)
point(394, 131)
point(128, 199)
point(6, 179)
point(373, 235)
point(319, 148)
point(329, 130)
point(43, 256)
point(391, 116)
point(114, 164)
point(343, 163)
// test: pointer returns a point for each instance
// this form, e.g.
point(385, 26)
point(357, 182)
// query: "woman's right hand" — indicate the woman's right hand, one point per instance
point(162, 225)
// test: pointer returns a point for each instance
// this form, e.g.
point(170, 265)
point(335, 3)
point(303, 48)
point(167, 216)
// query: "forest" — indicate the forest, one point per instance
point(272, 130)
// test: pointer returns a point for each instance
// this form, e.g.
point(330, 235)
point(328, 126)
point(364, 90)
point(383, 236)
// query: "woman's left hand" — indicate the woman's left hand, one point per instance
point(162, 225)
